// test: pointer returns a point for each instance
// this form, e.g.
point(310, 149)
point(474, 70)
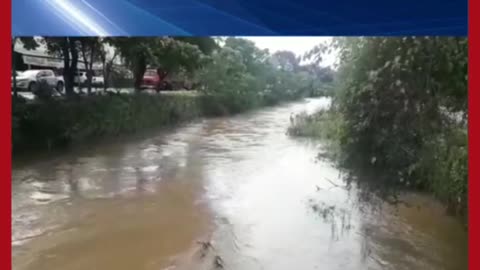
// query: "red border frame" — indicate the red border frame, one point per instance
point(473, 185)
point(5, 136)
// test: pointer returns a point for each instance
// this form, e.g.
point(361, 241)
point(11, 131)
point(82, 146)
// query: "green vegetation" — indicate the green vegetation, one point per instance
point(231, 78)
point(323, 124)
point(400, 109)
point(55, 123)
point(240, 76)
point(167, 53)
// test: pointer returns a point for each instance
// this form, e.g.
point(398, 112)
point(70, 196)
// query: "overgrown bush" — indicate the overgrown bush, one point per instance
point(240, 76)
point(53, 123)
point(402, 104)
point(444, 168)
point(323, 124)
point(228, 86)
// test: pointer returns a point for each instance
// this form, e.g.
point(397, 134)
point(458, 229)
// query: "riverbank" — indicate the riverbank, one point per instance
point(54, 124)
point(440, 167)
point(57, 123)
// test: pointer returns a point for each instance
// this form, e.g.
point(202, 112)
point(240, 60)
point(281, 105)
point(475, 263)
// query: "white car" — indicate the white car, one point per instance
point(98, 80)
point(81, 79)
point(28, 80)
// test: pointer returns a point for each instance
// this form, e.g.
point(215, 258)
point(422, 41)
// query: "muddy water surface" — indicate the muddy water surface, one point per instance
point(260, 198)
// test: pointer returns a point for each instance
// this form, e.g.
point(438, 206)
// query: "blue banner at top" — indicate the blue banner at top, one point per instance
point(239, 17)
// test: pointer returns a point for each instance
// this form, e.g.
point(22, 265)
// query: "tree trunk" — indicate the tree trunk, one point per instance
point(86, 65)
point(107, 68)
point(138, 71)
point(106, 76)
point(92, 55)
point(104, 71)
point(73, 66)
point(103, 57)
point(66, 68)
point(89, 82)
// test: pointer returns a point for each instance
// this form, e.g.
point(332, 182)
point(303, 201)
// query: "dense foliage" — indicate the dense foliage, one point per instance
point(240, 76)
point(168, 53)
point(401, 108)
point(53, 123)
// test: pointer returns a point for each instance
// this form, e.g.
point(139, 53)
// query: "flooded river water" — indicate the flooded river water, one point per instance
point(258, 196)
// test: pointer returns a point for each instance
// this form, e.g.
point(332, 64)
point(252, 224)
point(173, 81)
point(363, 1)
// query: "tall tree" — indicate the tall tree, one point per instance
point(107, 64)
point(286, 60)
point(67, 48)
point(136, 52)
point(90, 47)
point(252, 56)
point(166, 53)
point(400, 102)
point(206, 44)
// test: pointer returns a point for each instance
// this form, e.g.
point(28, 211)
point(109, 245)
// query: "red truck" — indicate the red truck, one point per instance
point(155, 79)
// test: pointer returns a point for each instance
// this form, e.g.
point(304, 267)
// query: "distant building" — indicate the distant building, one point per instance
point(41, 59)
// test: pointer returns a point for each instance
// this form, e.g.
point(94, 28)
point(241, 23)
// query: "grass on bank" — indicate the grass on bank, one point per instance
point(55, 123)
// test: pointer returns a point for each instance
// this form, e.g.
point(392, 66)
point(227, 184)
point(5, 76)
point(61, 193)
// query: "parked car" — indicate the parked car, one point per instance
point(151, 80)
point(97, 80)
point(30, 79)
point(81, 79)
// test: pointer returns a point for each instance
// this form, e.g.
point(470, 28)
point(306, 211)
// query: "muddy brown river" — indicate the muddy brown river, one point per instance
point(257, 198)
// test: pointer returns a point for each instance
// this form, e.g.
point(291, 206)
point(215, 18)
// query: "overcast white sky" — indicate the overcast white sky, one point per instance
point(298, 45)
